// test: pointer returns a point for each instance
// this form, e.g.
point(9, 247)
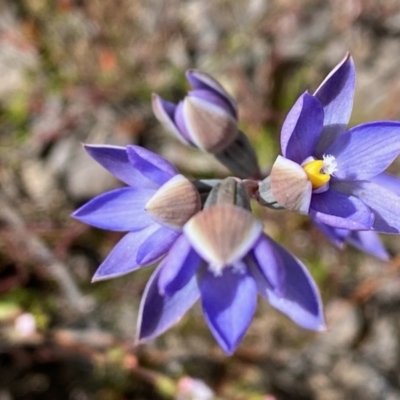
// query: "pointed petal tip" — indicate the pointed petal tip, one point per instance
point(322, 328)
point(74, 213)
point(156, 100)
point(99, 278)
point(197, 74)
point(347, 57)
point(190, 71)
point(228, 351)
point(96, 279)
point(137, 340)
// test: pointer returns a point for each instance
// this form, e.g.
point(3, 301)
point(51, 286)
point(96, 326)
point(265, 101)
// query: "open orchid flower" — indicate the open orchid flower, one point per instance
point(207, 119)
point(225, 259)
point(327, 172)
point(152, 209)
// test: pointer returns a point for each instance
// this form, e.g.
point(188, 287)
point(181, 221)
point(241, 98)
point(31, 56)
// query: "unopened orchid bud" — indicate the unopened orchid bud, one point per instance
point(207, 119)
point(174, 203)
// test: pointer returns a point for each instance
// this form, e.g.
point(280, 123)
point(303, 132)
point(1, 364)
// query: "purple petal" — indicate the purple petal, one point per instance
point(159, 312)
point(122, 258)
point(118, 210)
point(389, 182)
point(165, 113)
point(152, 166)
point(341, 210)
point(156, 245)
point(366, 241)
point(336, 97)
point(301, 300)
point(301, 129)
point(335, 235)
point(366, 150)
point(115, 160)
point(269, 264)
point(214, 99)
point(178, 266)
point(199, 80)
point(384, 203)
point(229, 302)
point(369, 242)
point(181, 123)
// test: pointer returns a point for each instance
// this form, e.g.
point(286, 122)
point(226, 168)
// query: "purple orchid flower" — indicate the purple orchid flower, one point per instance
point(327, 172)
point(225, 259)
point(207, 119)
point(152, 209)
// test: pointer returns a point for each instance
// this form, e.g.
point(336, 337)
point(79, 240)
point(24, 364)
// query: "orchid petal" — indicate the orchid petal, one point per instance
point(156, 245)
point(115, 160)
point(122, 258)
point(336, 235)
point(269, 264)
point(118, 210)
point(159, 312)
point(174, 203)
point(388, 181)
point(213, 99)
point(369, 242)
point(300, 299)
point(290, 185)
point(336, 94)
point(165, 112)
point(365, 150)
point(301, 128)
point(366, 241)
point(384, 203)
point(151, 165)
point(181, 124)
point(229, 302)
point(201, 81)
point(223, 234)
point(178, 266)
point(341, 210)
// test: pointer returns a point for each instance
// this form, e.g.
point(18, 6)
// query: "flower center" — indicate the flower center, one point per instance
point(319, 171)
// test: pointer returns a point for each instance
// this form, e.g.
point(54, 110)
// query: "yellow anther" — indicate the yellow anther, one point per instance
point(316, 177)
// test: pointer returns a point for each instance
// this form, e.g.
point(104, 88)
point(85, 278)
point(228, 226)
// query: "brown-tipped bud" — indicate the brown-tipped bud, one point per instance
point(229, 191)
point(174, 203)
point(207, 119)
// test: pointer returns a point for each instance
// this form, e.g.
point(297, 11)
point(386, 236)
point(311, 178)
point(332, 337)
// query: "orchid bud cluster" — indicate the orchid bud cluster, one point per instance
point(203, 235)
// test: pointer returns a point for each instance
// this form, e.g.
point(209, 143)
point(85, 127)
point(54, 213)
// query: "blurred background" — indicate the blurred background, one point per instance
point(74, 71)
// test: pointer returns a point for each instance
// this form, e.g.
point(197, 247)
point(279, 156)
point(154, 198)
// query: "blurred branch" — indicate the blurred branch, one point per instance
point(43, 259)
